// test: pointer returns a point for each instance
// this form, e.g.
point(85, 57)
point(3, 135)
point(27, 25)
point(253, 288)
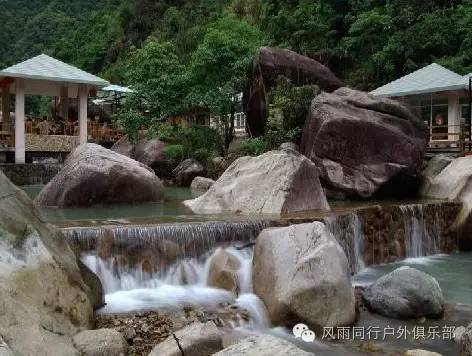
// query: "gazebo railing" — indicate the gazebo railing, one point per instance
point(97, 132)
point(7, 135)
point(449, 138)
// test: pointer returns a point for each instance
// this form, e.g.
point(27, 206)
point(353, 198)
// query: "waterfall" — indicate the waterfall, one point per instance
point(381, 234)
point(421, 238)
point(193, 239)
point(184, 283)
point(348, 231)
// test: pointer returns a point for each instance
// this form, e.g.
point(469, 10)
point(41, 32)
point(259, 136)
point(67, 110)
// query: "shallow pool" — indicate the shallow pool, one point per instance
point(453, 273)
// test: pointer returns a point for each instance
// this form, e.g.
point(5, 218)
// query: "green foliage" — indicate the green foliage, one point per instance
point(306, 26)
point(254, 146)
point(197, 141)
point(274, 138)
point(159, 79)
point(132, 121)
point(367, 43)
point(218, 67)
point(271, 141)
point(175, 153)
point(189, 57)
point(289, 104)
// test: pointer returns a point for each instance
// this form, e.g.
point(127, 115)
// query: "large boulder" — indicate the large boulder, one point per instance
point(43, 296)
point(197, 339)
point(276, 182)
point(223, 271)
point(263, 345)
point(454, 182)
point(361, 142)
point(150, 152)
point(302, 275)
point(186, 171)
point(101, 342)
point(267, 66)
point(405, 293)
point(94, 175)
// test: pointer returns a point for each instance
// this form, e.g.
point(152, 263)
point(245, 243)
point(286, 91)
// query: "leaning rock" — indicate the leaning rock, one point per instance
point(276, 182)
point(263, 345)
point(454, 182)
point(361, 142)
point(405, 293)
point(186, 171)
point(197, 339)
point(101, 342)
point(94, 175)
point(302, 275)
point(201, 183)
point(43, 298)
point(466, 341)
point(223, 271)
point(150, 152)
point(267, 66)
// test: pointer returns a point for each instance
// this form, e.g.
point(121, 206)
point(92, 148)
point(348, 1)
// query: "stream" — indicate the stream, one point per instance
point(142, 234)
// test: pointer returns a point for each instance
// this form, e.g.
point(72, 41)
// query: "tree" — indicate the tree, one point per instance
point(159, 79)
point(218, 68)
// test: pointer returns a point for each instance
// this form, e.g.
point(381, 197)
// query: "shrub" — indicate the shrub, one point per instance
point(202, 155)
point(197, 141)
point(174, 153)
point(274, 138)
point(132, 121)
point(289, 104)
point(254, 146)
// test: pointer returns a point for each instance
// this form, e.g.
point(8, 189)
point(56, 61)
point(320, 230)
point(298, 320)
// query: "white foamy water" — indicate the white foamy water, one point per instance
point(183, 284)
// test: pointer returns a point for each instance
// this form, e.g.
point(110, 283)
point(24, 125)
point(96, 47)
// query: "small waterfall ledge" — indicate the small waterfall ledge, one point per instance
point(371, 235)
point(383, 234)
point(155, 247)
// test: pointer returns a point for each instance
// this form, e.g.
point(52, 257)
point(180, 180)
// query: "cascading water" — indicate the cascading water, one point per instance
point(185, 283)
point(193, 239)
point(347, 229)
point(421, 239)
point(381, 234)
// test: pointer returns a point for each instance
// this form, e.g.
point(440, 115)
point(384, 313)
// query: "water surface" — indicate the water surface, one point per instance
point(453, 273)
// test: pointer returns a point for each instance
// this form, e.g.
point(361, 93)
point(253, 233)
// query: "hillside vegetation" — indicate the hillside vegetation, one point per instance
point(366, 42)
point(191, 57)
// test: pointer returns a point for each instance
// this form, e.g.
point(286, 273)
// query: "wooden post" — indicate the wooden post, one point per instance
point(19, 122)
point(6, 104)
point(64, 103)
point(82, 105)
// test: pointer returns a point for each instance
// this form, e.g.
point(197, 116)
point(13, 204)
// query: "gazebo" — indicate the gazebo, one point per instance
point(439, 96)
point(44, 75)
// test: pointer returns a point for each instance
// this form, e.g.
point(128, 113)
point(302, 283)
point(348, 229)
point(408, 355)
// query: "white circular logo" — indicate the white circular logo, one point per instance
point(308, 336)
point(299, 329)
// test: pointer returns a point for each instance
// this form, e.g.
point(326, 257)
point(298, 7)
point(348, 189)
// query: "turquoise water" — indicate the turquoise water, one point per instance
point(453, 273)
point(171, 209)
